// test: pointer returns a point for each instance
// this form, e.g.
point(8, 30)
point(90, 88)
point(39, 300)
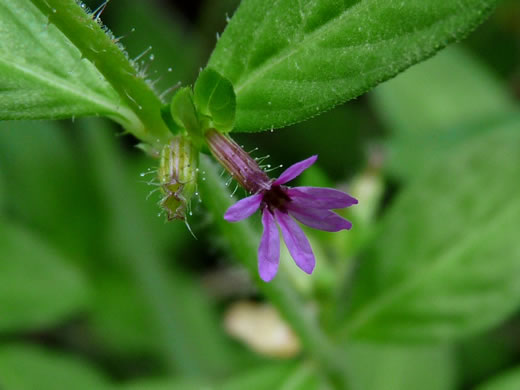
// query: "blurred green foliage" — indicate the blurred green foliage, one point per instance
point(97, 292)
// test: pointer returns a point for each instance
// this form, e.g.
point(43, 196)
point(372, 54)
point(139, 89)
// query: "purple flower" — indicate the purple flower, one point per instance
point(279, 204)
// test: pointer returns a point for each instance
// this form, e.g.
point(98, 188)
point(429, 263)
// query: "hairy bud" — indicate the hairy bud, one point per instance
point(177, 173)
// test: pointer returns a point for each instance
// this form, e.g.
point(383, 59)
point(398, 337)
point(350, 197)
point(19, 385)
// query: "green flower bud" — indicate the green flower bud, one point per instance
point(177, 173)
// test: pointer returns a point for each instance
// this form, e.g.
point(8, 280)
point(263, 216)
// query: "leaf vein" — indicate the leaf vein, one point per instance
point(390, 297)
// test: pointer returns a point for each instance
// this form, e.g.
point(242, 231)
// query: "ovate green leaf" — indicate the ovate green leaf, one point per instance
point(289, 60)
point(38, 287)
point(42, 75)
point(446, 262)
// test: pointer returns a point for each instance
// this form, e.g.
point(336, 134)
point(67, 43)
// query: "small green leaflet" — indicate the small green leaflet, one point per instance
point(289, 60)
point(214, 97)
point(42, 74)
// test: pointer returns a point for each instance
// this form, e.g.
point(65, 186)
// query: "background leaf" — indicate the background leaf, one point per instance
point(437, 105)
point(28, 368)
point(37, 286)
point(42, 74)
point(1, 192)
point(279, 376)
point(37, 159)
point(508, 381)
point(398, 367)
point(161, 384)
point(447, 257)
point(452, 88)
point(292, 59)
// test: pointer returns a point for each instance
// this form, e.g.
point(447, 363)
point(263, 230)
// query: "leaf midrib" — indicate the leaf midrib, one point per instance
point(386, 300)
point(58, 83)
point(269, 64)
point(266, 66)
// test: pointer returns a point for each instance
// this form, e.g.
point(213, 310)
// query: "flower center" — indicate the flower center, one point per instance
point(276, 198)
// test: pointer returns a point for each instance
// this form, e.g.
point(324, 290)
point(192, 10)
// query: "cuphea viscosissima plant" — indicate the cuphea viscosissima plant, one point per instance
point(277, 63)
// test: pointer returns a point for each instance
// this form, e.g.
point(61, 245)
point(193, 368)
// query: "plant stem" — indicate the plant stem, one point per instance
point(243, 241)
point(163, 288)
point(86, 33)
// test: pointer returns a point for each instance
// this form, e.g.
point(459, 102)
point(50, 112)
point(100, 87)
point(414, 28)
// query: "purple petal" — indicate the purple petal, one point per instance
point(295, 170)
point(269, 249)
point(318, 218)
point(243, 208)
point(321, 198)
point(296, 242)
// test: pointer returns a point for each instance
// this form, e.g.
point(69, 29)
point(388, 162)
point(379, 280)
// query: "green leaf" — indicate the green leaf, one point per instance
point(121, 317)
point(410, 155)
point(40, 166)
point(38, 288)
point(508, 381)
point(446, 261)
point(397, 367)
point(163, 384)
point(42, 75)
point(214, 97)
point(423, 105)
point(25, 367)
point(452, 88)
point(2, 196)
point(302, 57)
point(277, 376)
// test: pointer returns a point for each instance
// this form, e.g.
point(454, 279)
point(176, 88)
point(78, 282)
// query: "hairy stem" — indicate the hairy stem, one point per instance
point(243, 241)
point(86, 33)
